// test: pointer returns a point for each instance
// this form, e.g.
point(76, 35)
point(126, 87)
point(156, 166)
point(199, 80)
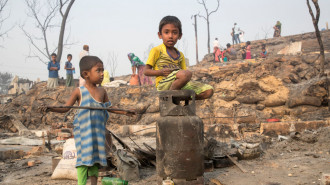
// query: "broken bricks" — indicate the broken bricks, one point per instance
point(33, 163)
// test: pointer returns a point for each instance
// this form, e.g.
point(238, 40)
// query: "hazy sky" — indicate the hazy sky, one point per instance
point(131, 26)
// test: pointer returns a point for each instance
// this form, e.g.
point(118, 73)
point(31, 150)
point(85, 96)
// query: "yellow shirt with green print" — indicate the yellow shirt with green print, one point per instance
point(159, 59)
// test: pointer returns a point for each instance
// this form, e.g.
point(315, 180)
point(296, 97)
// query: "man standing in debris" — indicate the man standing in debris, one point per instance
point(236, 34)
point(53, 67)
point(84, 52)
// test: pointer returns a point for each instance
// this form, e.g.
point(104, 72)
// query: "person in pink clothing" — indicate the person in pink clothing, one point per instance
point(217, 54)
point(248, 50)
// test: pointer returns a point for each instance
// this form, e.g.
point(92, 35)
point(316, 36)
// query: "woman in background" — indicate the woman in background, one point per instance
point(277, 29)
point(138, 65)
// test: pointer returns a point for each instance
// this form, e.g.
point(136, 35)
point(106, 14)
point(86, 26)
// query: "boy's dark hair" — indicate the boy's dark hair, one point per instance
point(248, 42)
point(69, 55)
point(170, 20)
point(228, 45)
point(87, 62)
point(53, 54)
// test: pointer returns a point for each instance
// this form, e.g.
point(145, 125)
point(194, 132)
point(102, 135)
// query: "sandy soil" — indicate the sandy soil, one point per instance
point(289, 162)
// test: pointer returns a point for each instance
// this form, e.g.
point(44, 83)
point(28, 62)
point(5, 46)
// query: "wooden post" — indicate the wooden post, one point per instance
point(195, 25)
point(327, 25)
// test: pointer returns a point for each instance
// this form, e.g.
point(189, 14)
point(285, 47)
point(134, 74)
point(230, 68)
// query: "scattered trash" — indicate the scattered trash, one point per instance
point(66, 168)
point(295, 135)
point(208, 166)
point(113, 181)
point(282, 138)
point(25, 141)
point(215, 181)
point(273, 120)
point(168, 181)
point(127, 165)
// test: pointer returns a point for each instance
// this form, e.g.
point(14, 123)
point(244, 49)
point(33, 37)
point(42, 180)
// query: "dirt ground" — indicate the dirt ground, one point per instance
point(288, 162)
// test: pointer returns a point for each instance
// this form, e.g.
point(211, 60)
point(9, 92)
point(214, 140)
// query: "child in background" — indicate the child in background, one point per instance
point(264, 53)
point(168, 64)
point(89, 125)
point(69, 71)
point(243, 52)
point(248, 50)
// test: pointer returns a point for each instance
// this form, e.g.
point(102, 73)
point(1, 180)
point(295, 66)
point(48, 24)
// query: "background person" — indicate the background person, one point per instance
point(248, 50)
point(84, 52)
point(139, 66)
point(230, 53)
point(216, 44)
point(241, 35)
point(53, 68)
point(277, 29)
point(69, 71)
point(236, 33)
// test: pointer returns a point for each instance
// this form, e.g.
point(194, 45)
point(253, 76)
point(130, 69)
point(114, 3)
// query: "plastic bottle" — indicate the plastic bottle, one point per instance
point(113, 181)
point(73, 70)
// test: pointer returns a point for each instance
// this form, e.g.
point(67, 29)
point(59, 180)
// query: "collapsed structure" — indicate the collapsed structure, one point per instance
point(279, 95)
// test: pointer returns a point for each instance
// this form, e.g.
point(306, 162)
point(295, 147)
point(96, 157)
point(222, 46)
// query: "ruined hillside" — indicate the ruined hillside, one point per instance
point(285, 86)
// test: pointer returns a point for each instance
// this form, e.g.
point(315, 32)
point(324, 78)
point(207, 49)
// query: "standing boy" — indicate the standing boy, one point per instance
point(53, 67)
point(69, 71)
point(89, 125)
point(168, 64)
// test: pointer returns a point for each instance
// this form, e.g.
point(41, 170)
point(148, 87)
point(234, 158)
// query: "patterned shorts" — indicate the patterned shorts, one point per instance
point(198, 87)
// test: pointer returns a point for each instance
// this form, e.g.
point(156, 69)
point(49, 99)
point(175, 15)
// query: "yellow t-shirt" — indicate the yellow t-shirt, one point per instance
point(159, 59)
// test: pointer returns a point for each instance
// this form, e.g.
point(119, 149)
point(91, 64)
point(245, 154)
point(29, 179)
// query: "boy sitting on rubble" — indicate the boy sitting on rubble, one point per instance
point(89, 125)
point(168, 64)
point(263, 53)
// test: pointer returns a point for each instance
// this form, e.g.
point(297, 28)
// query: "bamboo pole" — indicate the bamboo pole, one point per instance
point(93, 108)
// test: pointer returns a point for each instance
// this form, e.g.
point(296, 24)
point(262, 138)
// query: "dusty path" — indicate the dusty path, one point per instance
point(288, 162)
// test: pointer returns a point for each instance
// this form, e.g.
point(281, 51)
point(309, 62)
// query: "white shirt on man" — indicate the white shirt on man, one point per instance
point(82, 54)
point(236, 29)
point(216, 43)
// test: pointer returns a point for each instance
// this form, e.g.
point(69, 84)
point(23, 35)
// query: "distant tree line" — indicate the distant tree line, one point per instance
point(5, 79)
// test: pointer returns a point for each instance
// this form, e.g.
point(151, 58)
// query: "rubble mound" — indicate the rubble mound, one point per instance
point(286, 86)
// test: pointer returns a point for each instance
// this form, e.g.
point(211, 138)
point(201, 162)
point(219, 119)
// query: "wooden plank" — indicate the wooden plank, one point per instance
point(237, 164)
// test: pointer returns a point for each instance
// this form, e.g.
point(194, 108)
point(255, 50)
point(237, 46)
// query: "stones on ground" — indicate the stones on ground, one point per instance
point(11, 154)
